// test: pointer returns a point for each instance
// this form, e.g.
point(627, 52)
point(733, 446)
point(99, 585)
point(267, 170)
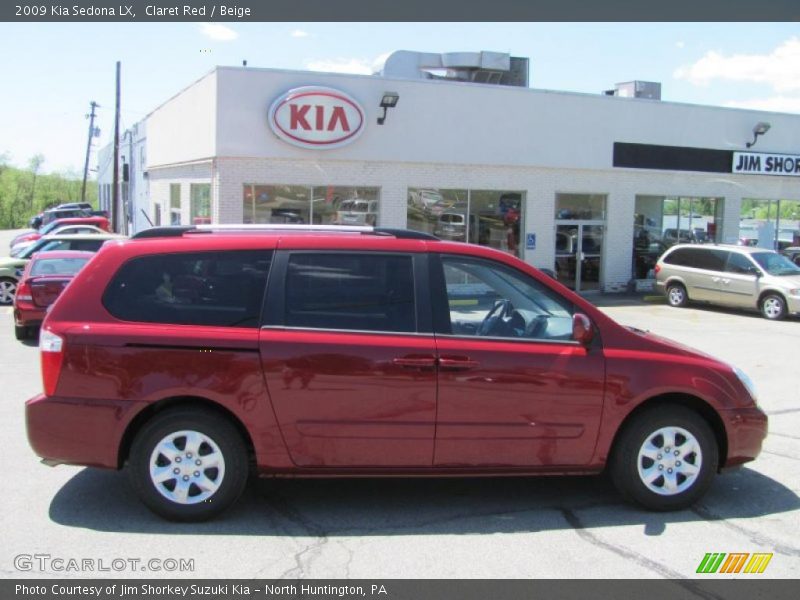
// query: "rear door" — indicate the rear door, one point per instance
point(349, 358)
point(514, 389)
point(702, 270)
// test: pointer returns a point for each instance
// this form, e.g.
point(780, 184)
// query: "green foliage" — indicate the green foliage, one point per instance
point(27, 192)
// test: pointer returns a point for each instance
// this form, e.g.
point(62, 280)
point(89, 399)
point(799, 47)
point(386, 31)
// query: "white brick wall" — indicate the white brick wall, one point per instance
point(185, 175)
point(229, 175)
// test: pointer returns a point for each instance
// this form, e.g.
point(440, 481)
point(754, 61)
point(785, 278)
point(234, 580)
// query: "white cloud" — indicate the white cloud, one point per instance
point(780, 69)
point(217, 32)
point(299, 33)
point(775, 104)
point(680, 44)
point(357, 66)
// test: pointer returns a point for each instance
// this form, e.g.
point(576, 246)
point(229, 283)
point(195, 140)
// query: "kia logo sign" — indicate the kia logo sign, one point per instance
point(316, 117)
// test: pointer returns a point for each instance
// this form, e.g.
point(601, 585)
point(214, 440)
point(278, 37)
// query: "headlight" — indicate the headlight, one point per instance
point(747, 382)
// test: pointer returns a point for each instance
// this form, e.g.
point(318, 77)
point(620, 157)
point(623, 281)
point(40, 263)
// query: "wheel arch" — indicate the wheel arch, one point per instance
point(771, 292)
point(145, 415)
point(694, 403)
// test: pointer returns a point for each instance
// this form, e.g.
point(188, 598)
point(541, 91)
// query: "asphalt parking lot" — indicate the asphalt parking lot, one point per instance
point(574, 527)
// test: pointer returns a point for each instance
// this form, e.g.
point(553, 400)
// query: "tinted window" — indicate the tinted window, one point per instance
point(197, 288)
point(350, 291)
point(85, 245)
point(739, 263)
point(492, 300)
point(698, 258)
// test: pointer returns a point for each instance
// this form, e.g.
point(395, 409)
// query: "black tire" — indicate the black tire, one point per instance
point(8, 287)
point(773, 306)
point(21, 332)
point(676, 295)
point(216, 430)
point(624, 465)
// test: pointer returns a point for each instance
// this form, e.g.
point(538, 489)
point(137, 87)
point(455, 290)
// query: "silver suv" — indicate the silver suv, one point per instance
point(735, 276)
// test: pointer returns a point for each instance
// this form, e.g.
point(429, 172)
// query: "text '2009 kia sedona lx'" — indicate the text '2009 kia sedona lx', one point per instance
point(186, 355)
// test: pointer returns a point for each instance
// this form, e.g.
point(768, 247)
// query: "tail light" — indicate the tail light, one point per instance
point(24, 296)
point(52, 349)
point(657, 269)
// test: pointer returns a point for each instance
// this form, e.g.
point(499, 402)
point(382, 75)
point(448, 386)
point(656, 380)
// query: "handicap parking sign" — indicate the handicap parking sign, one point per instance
point(530, 241)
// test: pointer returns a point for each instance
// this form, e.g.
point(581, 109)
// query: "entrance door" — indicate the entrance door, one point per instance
point(579, 254)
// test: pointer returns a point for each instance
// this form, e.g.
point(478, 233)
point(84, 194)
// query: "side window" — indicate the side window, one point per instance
point(679, 257)
point(88, 245)
point(493, 300)
point(362, 292)
point(739, 263)
point(193, 288)
point(711, 260)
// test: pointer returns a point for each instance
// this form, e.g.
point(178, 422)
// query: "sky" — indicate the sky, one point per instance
point(52, 71)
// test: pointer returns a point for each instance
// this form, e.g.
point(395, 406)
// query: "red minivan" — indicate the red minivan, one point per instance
point(188, 354)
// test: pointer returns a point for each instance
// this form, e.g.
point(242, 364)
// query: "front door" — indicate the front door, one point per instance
point(349, 368)
point(579, 254)
point(514, 389)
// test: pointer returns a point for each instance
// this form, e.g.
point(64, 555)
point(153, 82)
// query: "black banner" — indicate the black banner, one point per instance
point(400, 589)
point(398, 10)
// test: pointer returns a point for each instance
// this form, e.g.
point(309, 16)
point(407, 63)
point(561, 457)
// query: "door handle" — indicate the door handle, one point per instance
point(726, 281)
point(457, 364)
point(415, 362)
point(715, 279)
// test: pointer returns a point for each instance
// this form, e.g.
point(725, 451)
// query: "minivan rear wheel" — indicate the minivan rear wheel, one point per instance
point(676, 295)
point(773, 307)
point(188, 464)
point(665, 458)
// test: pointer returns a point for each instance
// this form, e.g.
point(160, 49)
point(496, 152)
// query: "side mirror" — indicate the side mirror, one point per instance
point(582, 329)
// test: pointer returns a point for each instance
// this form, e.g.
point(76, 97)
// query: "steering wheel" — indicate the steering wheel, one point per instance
point(502, 309)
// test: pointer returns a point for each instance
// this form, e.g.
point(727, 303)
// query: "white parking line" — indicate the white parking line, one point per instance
point(6, 310)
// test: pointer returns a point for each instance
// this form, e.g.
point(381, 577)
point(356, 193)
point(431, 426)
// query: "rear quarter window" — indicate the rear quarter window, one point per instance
point(223, 289)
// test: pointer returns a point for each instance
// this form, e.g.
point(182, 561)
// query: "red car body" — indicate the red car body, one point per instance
point(313, 402)
point(98, 221)
point(42, 282)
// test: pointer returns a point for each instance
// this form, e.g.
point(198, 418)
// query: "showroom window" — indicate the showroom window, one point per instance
point(486, 217)
point(320, 205)
point(663, 221)
point(770, 224)
point(174, 203)
point(200, 203)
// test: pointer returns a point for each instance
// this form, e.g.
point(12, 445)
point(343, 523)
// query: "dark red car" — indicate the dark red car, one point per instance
point(29, 236)
point(187, 355)
point(44, 278)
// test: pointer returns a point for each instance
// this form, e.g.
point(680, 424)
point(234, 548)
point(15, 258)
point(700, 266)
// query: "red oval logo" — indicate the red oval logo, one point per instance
point(316, 117)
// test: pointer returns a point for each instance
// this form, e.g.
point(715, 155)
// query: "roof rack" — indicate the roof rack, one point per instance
point(179, 230)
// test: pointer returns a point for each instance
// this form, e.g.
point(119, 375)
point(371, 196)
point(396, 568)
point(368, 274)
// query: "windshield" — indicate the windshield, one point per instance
point(49, 227)
point(33, 248)
point(775, 264)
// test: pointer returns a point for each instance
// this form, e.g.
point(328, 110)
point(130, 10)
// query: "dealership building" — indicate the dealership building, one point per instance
point(592, 186)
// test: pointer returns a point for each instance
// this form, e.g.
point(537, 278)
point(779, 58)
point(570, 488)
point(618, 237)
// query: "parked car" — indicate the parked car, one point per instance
point(64, 213)
point(357, 211)
point(673, 236)
point(792, 253)
point(81, 205)
point(42, 280)
point(735, 276)
point(186, 355)
point(452, 225)
point(19, 247)
point(11, 267)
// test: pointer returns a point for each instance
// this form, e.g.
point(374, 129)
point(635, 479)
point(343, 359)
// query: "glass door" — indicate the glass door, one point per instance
point(579, 254)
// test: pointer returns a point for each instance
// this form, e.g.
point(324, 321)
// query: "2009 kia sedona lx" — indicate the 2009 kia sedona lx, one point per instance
point(188, 354)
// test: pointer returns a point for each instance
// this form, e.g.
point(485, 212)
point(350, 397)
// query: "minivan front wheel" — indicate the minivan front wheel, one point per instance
point(676, 295)
point(188, 464)
point(773, 307)
point(665, 458)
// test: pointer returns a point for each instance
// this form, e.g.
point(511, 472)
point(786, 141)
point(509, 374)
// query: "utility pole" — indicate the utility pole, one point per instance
point(94, 105)
point(115, 185)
